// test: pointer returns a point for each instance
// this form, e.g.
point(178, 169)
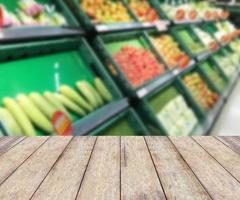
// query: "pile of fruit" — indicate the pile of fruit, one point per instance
point(214, 76)
point(180, 12)
point(27, 112)
point(170, 51)
point(177, 118)
point(206, 39)
point(208, 12)
point(138, 65)
point(226, 31)
point(105, 11)
point(29, 13)
point(200, 91)
point(143, 10)
point(194, 46)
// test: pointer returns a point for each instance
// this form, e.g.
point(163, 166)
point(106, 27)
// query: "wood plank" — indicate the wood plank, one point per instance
point(229, 159)
point(7, 143)
point(10, 161)
point(139, 179)
point(23, 183)
point(102, 178)
point(64, 179)
point(216, 180)
point(231, 142)
point(178, 181)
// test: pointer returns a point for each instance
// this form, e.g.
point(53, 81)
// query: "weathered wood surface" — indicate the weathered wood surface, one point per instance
point(114, 168)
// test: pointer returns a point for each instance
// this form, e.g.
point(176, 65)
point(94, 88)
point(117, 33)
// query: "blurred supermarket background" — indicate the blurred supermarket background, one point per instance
point(119, 67)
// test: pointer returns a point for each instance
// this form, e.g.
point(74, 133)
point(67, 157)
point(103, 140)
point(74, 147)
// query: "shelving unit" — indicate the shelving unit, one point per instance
point(96, 44)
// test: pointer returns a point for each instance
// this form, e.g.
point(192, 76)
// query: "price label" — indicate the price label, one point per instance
point(161, 26)
point(61, 124)
point(102, 28)
point(142, 92)
point(176, 72)
point(1, 17)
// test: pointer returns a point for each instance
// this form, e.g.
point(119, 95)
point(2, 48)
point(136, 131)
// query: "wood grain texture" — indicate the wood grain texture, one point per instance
point(7, 143)
point(231, 142)
point(216, 180)
point(64, 179)
point(179, 182)
point(139, 179)
point(17, 155)
point(102, 178)
point(229, 159)
point(23, 183)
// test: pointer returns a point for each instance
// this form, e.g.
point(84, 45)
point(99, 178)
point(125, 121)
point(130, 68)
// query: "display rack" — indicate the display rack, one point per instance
point(130, 109)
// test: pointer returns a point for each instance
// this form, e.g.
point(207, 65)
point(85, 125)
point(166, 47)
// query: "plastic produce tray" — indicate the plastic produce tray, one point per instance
point(201, 111)
point(41, 66)
point(151, 104)
point(153, 33)
point(106, 45)
point(176, 32)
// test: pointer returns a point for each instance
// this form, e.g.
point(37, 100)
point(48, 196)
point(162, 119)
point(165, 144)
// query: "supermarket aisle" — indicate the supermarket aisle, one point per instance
point(229, 121)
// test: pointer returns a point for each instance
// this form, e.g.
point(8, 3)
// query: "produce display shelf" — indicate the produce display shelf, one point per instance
point(25, 34)
point(66, 61)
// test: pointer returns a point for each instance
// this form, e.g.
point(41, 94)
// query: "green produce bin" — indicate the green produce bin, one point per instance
point(11, 5)
point(126, 123)
point(108, 44)
point(84, 19)
point(41, 66)
point(178, 32)
point(203, 113)
point(215, 75)
point(153, 103)
point(153, 33)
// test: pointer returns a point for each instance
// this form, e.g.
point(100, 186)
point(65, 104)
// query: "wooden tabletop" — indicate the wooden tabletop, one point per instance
point(127, 168)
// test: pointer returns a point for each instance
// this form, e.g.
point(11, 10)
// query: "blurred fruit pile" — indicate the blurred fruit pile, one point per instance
point(180, 12)
point(170, 51)
point(208, 12)
point(105, 11)
point(177, 118)
point(30, 12)
point(138, 65)
point(214, 76)
point(194, 46)
point(200, 91)
point(193, 11)
point(143, 10)
point(35, 111)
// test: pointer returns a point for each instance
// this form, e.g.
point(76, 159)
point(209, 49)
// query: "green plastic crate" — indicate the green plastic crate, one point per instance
point(41, 66)
point(153, 33)
point(203, 113)
point(126, 123)
point(60, 6)
point(176, 31)
point(214, 75)
point(150, 105)
point(108, 44)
